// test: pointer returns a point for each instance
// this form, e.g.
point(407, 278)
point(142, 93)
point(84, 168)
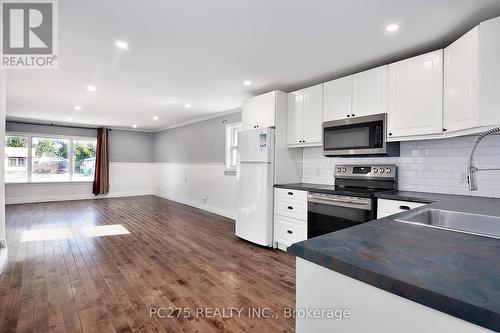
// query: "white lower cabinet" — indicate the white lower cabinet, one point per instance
point(290, 217)
point(288, 231)
point(387, 207)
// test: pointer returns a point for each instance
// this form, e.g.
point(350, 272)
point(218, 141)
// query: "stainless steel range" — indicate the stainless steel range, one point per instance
point(350, 201)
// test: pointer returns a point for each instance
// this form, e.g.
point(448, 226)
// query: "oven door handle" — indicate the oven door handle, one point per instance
point(341, 203)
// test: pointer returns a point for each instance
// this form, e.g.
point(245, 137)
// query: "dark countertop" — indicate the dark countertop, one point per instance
point(456, 273)
point(301, 186)
point(414, 196)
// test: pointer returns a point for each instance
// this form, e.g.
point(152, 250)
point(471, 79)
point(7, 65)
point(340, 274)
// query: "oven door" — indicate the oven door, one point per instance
point(355, 136)
point(328, 213)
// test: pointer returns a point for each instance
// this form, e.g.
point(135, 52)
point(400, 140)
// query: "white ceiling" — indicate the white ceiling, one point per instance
point(199, 52)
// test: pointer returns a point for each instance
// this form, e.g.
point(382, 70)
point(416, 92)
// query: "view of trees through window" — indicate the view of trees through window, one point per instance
point(16, 155)
point(51, 159)
point(84, 160)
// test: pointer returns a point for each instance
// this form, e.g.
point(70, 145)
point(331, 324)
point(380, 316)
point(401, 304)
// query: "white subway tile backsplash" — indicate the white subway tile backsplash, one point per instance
point(424, 166)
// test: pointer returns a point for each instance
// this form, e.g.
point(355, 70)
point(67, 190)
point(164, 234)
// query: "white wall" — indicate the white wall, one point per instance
point(186, 183)
point(126, 179)
point(189, 183)
point(2, 144)
point(425, 166)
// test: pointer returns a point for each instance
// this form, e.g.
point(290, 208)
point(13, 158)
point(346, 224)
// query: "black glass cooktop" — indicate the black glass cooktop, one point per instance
point(335, 189)
point(352, 191)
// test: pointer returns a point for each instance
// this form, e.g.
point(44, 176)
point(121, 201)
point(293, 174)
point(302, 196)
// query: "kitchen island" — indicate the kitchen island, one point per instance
point(400, 277)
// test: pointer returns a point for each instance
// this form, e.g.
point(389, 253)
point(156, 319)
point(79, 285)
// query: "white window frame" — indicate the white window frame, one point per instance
point(231, 145)
point(29, 166)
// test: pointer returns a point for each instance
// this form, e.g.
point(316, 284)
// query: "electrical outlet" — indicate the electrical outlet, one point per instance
point(204, 199)
point(463, 178)
point(317, 172)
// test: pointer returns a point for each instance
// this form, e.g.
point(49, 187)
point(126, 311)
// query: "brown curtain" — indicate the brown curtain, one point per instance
point(101, 174)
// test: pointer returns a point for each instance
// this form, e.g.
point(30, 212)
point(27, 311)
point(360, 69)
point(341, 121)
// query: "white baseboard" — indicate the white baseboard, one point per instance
point(208, 208)
point(90, 196)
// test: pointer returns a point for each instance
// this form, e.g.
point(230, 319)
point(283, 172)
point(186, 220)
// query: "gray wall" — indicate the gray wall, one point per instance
point(201, 142)
point(130, 146)
point(46, 129)
point(124, 146)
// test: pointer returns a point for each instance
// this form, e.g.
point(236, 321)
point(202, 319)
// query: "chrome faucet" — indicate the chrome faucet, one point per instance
point(471, 169)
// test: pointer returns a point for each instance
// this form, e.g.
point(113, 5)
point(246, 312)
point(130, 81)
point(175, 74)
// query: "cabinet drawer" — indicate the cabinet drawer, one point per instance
point(292, 194)
point(293, 208)
point(288, 231)
point(390, 207)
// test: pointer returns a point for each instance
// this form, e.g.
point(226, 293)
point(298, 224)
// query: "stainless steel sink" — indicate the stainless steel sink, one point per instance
point(483, 225)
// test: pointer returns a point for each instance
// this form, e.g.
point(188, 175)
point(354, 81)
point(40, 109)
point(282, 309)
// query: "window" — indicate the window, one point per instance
point(48, 159)
point(16, 154)
point(84, 159)
point(17, 161)
point(232, 145)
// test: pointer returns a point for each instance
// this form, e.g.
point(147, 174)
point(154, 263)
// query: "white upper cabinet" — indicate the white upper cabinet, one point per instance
point(416, 96)
point(489, 72)
point(461, 79)
point(313, 114)
point(471, 80)
point(369, 92)
point(305, 116)
point(259, 111)
point(294, 117)
point(337, 99)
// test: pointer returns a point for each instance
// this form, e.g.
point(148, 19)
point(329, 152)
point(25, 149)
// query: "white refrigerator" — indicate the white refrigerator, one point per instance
point(255, 179)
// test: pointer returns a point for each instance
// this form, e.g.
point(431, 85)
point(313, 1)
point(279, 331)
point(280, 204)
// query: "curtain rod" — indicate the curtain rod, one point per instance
point(52, 125)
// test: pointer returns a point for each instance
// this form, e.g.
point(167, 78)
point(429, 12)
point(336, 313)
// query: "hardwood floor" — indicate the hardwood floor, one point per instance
point(174, 257)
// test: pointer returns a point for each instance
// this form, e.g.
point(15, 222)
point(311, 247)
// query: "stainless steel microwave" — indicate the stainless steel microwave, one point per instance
point(360, 136)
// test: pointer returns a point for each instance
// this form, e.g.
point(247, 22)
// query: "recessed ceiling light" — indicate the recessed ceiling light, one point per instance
point(155, 118)
point(134, 126)
point(187, 106)
point(70, 119)
point(91, 88)
point(77, 107)
point(392, 27)
point(121, 44)
point(247, 83)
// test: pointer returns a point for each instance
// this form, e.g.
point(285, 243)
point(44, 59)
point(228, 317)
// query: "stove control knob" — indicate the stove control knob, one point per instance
point(374, 170)
point(388, 170)
point(344, 169)
point(339, 169)
point(381, 170)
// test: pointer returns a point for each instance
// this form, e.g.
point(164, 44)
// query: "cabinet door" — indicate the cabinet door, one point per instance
point(369, 92)
point(266, 110)
point(248, 116)
point(294, 117)
point(416, 96)
point(461, 75)
point(489, 72)
point(313, 114)
point(337, 99)
point(259, 111)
